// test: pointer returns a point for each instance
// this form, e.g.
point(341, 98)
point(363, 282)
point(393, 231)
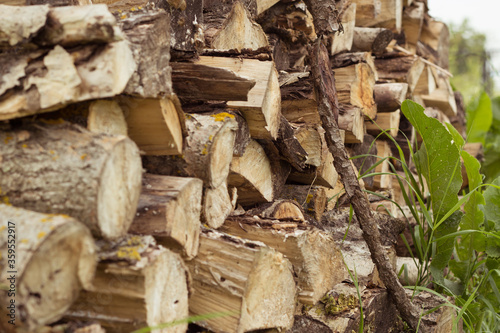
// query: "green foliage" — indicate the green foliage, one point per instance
point(479, 119)
point(457, 239)
point(491, 164)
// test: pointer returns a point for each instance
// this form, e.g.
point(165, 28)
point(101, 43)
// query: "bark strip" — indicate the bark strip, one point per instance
point(324, 83)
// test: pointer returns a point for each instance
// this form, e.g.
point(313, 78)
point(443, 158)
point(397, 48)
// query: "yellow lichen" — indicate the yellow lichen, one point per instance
point(7, 139)
point(124, 16)
point(222, 116)
point(210, 138)
point(128, 253)
point(24, 241)
point(83, 156)
point(5, 200)
point(133, 9)
point(24, 145)
point(53, 121)
point(309, 198)
point(2, 228)
point(41, 234)
point(51, 152)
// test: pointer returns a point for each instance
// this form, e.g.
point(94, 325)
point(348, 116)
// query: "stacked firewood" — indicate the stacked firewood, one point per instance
point(165, 159)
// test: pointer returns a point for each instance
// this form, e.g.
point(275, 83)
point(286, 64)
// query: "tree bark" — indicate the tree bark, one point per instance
point(46, 260)
point(324, 83)
point(65, 169)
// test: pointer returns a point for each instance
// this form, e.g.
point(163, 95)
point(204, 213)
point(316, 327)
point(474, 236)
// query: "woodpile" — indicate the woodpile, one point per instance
point(131, 130)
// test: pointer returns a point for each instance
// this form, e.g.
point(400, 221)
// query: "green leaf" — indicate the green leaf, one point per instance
point(479, 119)
point(457, 137)
point(444, 247)
point(492, 208)
point(438, 159)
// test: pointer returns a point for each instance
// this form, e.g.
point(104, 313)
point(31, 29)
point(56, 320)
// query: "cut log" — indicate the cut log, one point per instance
point(354, 86)
point(281, 209)
point(106, 117)
point(386, 121)
point(248, 279)
point(404, 68)
point(64, 169)
point(169, 209)
point(137, 284)
point(299, 103)
point(383, 151)
point(442, 98)
point(351, 120)
point(218, 204)
point(252, 175)
point(426, 83)
point(413, 19)
point(207, 152)
point(379, 13)
point(371, 39)
point(353, 58)
point(238, 31)
point(313, 253)
point(42, 81)
point(389, 96)
point(341, 42)
point(310, 140)
point(155, 125)
point(312, 199)
point(67, 26)
point(435, 38)
point(200, 81)
point(52, 258)
point(324, 174)
point(148, 31)
point(186, 37)
point(290, 147)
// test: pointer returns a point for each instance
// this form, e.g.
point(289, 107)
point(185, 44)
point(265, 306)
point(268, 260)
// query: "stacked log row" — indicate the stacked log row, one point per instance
point(217, 101)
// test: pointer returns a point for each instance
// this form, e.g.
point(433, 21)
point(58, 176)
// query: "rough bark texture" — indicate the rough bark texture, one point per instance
point(52, 259)
point(65, 169)
point(325, 16)
point(324, 83)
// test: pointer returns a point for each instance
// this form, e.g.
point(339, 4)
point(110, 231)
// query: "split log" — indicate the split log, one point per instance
point(385, 121)
point(389, 96)
point(383, 151)
point(315, 257)
point(310, 140)
point(106, 117)
point(42, 81)
point(218, 204)
point(207, 152)
point(186, 37)
point(342, 42)
point(413, 19)
point(312, 199)
point(46, 260)
point(248, 279)
point(351, 120)
point(148, 31)
point(354, 86)
point(371, 39)
point(214, 81)
point(405, 69)
point(262, 108)
point(299, 103)
point(66, 26)
point(281, 209)
point(252, 175)
point(385, 13)
point(155, 125)
point(137, 284)
point(435, 38)
point(426, 83)
point(324, 174)
point(353, 58)
point(169, 209)
point(442, 98)
point(237, 31)
point(64, 169)
point(290, 147)
point(333, 195)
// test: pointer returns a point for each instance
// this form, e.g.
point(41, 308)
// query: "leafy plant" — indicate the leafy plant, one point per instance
point(456, 239)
